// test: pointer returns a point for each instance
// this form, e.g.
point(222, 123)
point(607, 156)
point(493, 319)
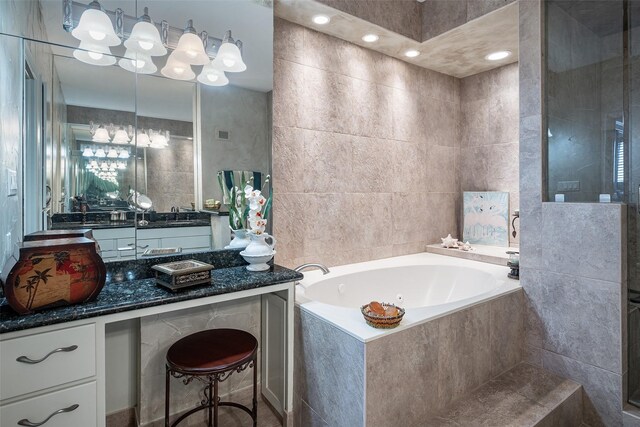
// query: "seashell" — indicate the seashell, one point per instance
point(376, 308)
point(449, 242)
point(390, 311)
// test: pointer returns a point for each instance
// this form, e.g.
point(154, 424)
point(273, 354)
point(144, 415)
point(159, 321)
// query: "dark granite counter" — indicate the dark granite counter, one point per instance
point(129, 224)
point(118, 297)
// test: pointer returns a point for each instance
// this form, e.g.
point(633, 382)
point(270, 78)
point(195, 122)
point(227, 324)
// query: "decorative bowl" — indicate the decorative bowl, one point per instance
point(257, 262)
point(382, 322)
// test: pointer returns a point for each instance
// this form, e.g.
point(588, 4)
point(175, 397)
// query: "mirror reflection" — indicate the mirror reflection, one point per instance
point(141, 127)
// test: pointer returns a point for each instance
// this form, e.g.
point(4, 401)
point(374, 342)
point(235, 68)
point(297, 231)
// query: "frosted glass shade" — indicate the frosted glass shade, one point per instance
point(177, 70)
point(94, 54)
point(137, 62)
point(100, 153)
point(212, 76)
point(159, 141)
point(101, 135)
point(124, 154)
point(229, 58)
point(112, 154)
point(87, 152)
point(190, 50)
point(121, 137)
point(95, 27)
point(142, 140)
point(145, 38)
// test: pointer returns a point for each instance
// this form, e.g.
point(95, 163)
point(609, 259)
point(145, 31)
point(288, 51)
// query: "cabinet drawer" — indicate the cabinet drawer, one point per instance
point(59, 367)
point(37, 409)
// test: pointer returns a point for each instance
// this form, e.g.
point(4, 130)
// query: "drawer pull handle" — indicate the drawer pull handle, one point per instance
point(25, 359)
point(25, 422)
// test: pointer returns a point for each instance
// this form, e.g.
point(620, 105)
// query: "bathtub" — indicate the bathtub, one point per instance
point(427, 285)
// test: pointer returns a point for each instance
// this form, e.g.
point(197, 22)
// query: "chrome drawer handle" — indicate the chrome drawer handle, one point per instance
point(27, 423)
point(25, 359)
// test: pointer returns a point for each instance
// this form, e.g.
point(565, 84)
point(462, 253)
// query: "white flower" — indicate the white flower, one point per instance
point(258, 225)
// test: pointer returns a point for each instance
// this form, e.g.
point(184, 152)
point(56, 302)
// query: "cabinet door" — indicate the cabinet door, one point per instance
point(71, 407)
point(274, 349)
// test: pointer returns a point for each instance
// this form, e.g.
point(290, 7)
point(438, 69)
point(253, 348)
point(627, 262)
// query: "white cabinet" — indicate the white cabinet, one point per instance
point(190, 239)
point(36, 362)
point(50, 377)
point(73, 406)
point(120, 244)
point(116, 244)
point(274, 349)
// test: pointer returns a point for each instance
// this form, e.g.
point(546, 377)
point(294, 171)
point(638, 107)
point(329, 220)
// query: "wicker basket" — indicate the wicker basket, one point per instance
point(382, 322)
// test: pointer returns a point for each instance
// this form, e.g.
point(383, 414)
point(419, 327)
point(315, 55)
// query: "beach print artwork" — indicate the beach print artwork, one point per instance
point(486, 218)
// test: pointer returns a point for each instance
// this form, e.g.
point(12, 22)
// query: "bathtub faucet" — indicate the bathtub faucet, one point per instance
point(324, 269)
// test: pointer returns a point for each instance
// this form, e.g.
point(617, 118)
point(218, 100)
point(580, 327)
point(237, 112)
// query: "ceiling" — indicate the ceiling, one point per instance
point(459, 52)
point(112, 87)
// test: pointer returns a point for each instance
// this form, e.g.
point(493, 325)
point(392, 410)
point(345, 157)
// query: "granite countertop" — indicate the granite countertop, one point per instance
point(130, 224)
point(136, 294)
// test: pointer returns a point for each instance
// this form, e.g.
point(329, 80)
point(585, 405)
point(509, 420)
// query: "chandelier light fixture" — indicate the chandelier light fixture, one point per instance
point(98, 30)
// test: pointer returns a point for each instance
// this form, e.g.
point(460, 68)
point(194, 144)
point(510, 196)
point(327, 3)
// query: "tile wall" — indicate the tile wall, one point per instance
point(363, 151)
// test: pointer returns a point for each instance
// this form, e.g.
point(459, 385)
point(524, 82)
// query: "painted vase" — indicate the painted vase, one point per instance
point(259, 252)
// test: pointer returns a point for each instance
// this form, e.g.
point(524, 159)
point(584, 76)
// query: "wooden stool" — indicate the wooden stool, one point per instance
point(211, 357)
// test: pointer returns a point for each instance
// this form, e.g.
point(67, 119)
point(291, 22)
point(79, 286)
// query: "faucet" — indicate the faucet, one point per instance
point(324, 269)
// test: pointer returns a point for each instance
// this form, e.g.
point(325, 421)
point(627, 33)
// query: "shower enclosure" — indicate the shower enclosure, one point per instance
point(592, 109)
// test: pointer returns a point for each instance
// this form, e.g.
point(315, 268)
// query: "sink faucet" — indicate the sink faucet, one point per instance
point(302, 267)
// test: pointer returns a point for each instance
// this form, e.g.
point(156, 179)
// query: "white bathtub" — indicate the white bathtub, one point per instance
point(426, 285)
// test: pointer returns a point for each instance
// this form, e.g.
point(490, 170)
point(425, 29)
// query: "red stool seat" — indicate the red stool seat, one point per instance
point(211, 356)
point(212, 350)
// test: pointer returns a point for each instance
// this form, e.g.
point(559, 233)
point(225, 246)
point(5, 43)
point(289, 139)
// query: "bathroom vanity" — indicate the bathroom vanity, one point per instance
point(57, 356)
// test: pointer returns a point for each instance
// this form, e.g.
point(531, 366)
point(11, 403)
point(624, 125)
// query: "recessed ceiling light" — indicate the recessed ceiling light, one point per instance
point(321, 19)
point(370, 38)
point(496, 56)
point(411, 53)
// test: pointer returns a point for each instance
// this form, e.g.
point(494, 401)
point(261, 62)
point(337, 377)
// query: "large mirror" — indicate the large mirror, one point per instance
point(131, 145)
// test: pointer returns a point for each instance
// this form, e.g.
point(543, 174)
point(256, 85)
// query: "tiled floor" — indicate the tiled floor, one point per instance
point(229, 417)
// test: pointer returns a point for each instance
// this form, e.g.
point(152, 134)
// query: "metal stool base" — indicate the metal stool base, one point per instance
point(212, 400)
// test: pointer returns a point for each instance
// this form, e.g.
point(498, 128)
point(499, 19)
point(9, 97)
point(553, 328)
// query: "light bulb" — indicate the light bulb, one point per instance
point(97, 35)
point(411, 53)
point(229, 62)
point(496, 56)
point(212, 76)
point(321, 19)
point(95, 55)
point(176, 69)
point(138, 63)
point(145, 45)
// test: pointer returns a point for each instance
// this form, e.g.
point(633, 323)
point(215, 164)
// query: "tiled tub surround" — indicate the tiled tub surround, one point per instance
point(348, 374)
point(354, 128)
point(488, 159)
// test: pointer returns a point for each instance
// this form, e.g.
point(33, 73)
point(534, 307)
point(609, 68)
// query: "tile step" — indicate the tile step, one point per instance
point(524, 396)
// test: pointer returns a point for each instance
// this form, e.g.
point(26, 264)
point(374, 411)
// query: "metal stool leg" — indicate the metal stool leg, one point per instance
point(166, 397)
point(255, 391)
point(210, 403)
point(215, 402)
